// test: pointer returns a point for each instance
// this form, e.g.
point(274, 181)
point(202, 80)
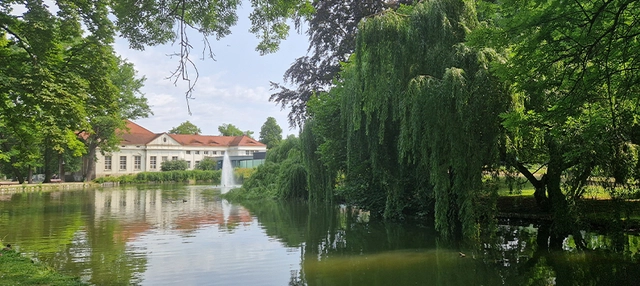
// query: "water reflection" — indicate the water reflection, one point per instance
point(168, 235)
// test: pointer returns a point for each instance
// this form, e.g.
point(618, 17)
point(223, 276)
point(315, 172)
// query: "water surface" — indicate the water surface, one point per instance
point(187, 235)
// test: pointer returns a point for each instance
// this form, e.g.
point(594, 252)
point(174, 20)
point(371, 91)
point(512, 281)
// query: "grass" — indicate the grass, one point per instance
point(16, 269)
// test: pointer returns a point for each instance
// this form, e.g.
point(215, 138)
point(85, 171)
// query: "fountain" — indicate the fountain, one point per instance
point(226, 179)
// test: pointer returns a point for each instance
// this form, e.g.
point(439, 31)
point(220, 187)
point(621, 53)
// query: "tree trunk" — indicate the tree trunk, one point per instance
point(30, 176)
point(47, 163)
point(91, 163)
point(563, 221)
point(61, 167)
point(540, 187)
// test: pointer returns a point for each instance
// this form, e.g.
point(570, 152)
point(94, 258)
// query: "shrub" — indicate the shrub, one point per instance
point(174, 165)
point(241, 174)
point(207, 164)
point(165, 177)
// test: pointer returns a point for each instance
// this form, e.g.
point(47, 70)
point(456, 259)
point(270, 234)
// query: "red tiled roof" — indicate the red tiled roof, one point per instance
point(208, 140)
point(245, 141)
point(136, 134)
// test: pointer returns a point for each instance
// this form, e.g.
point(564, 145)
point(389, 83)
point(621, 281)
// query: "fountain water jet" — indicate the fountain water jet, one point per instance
point(226, 179)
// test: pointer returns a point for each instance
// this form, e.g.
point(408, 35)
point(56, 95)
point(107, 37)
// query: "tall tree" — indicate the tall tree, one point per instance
point(185, 128)
point(420, 114)
point(270, 133)
point(227, 129)
point(332, 32)
point(129, 104)
point(573, 68)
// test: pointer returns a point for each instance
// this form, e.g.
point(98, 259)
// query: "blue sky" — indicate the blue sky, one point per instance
point(232, 89)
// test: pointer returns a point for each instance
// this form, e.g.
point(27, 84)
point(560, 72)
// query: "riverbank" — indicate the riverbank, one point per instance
point(14, 188)
point(16, 269)
point(597, 214)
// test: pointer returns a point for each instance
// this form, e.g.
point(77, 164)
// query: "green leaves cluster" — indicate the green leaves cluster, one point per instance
point(228, 129)
point(173, 165)
point(438, 96)
point(283, 174)
point(185, 128)
point(411, 107)
point(270, 133)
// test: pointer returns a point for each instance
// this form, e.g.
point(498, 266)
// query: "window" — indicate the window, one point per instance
point(188, 152)
point(197, 152)
point(152, 162)
point(107, 162)
point(174, 158)
point(221, 152)
point(123, 162)
point(215, 152)
point(164, 158)
point(206, 152)
point(137, 162)
point(197, 163)
point(248, 152)
point(188, 164)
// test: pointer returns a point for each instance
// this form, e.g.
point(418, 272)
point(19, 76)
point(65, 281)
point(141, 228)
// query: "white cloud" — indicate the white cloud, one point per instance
point(232, 89)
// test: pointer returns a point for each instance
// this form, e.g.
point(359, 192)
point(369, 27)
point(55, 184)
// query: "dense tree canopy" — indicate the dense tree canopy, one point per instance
point(573, 69)
point(332, 32)
point(228, 129)
point(270, 133)
point(60, 75)
point(185, 128)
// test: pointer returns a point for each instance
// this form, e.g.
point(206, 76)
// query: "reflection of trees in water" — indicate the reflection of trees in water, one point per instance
point(61, 228)
point(530, 256)
point(337, 247)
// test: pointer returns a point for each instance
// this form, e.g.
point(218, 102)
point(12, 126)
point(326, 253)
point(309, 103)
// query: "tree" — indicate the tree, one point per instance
point(185, 128)
point(207, 164)
point(332, 33)
point(573, 69)
point(419, 110)
point(231, 130)
point(130, 104)
point(270, 133)
point(144, 23)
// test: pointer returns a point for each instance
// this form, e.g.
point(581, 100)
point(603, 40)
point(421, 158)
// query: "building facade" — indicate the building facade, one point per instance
point(141, 150)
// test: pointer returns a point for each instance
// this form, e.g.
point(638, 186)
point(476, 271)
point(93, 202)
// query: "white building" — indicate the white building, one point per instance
point(143, 151)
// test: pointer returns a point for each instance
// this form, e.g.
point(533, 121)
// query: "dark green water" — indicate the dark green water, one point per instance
point(187, 235)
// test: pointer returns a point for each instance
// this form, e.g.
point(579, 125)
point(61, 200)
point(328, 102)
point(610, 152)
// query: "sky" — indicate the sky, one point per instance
point(234, 88)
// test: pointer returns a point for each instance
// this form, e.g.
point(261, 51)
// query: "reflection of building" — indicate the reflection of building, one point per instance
point(140, 211)
point(144, 151)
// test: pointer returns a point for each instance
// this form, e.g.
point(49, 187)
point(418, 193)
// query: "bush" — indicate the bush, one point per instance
point(207, 164)
point(241, 174)
point(165, 177)
point(174, 165)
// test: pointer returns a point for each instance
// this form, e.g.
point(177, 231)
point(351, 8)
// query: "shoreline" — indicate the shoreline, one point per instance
point(17, 188)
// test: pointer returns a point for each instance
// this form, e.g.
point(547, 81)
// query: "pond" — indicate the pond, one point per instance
point(187, 235)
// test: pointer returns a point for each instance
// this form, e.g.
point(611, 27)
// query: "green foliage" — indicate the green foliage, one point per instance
point(242, 174)
point(282, 176)
point(574, 96)
point(418, 113)
point(179, 176)
point(319, 177)
point(231, 130)
point(270, 133)
point(60, 74)
point(185, 128)
point(207, 164)
point(174, 165)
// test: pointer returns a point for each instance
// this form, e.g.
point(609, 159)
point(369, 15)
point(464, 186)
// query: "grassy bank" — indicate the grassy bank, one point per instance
point(16, 269)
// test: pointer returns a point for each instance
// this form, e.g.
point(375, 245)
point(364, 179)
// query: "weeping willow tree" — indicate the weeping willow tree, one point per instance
point(420, 116)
